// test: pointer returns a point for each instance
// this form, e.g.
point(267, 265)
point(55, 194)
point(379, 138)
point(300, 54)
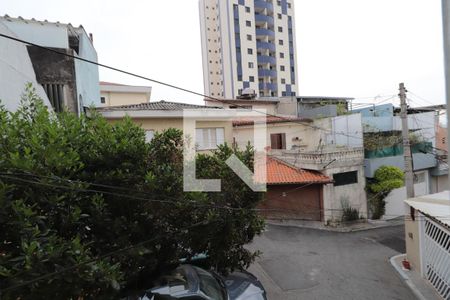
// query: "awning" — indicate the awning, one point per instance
point(436, 206)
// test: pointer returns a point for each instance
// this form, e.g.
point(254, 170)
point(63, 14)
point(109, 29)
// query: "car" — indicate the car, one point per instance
point(190, 282)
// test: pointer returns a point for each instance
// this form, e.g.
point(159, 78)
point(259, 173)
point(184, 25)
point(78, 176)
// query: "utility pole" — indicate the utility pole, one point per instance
point(409, 177)
point(446, 31)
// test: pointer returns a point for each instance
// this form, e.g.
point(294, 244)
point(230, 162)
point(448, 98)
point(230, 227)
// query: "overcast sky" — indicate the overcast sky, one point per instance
point(354, 48)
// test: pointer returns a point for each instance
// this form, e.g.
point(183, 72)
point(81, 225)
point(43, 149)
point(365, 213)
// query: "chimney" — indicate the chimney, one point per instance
point(91, 37)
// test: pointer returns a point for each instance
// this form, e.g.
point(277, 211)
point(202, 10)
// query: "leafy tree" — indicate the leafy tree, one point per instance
point(386, 178)
point(98, 211)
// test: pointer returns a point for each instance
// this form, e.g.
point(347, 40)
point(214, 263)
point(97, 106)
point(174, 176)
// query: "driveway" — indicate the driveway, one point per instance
point(301, 263)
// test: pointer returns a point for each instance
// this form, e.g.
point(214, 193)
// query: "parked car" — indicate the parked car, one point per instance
point(191, 282)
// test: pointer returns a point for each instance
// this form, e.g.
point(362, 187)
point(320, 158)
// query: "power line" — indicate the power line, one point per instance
point(164, 83)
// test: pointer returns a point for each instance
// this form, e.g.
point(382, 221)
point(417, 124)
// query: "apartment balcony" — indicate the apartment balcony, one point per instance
point(268, 86)
point(261, 19)
point(260, 6)
point(267, 73)
point(262, 32)
point(321, 160)
point(265, 46)
point(266, 59)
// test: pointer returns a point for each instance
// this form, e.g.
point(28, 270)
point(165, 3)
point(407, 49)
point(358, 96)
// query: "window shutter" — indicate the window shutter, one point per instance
point(283, 141)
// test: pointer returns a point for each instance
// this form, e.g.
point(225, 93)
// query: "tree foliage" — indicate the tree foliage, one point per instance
point(386, 179)
point(102, 211)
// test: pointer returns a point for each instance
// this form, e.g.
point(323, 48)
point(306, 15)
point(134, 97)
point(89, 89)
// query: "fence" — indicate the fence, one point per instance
point(436, 257)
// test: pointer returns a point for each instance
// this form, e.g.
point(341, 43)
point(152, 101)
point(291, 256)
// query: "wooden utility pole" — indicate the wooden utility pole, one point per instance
point(409, 177)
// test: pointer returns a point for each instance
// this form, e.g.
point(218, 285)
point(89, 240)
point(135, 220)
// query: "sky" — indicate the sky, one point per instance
point(352, 48)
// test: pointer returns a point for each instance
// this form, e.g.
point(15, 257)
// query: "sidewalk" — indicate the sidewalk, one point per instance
point(419, 286)
point(349, 227)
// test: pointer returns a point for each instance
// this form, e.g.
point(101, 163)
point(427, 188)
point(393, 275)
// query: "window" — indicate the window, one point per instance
point(278, 141)
point(289, 5)
point(250, 65)
point(251, 79)
point(247, 9)
point(282, 68)
point(345, 178)
point(248, 23)
point(279, 2)
point(246, 107)
point(283, 81)
point(209, 138)
point(281, 55)
point(283, 94)
point(249, 37)
point(279, 16)
point(149, 134)
point(280, 42)
point(280, 29)
point(250, 51)
point(55, 93)
point(239, 77)
point(102, 100)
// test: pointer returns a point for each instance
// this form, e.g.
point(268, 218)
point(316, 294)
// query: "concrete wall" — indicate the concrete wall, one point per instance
point(87, 78)
point(160, 124)
point(298, 136)
point(412, 241)
point(269, 107)
point(114, 98)
point(16, 72)
point(395, 207)
point(354, 194)
point(439, 184)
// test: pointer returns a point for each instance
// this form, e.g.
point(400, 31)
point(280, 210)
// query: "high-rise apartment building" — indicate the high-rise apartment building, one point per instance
point(248, 44)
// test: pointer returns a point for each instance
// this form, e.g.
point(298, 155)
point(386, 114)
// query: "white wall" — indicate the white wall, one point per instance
point(16, 71)
point(395, 205)
point(87, 79)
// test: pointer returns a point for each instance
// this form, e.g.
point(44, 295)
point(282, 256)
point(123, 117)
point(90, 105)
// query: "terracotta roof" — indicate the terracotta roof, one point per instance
point(269, 120)
point(243, 101)
point(279, 172)
point(160, 105)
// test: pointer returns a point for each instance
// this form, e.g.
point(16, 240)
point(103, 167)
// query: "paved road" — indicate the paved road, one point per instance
point(301, 263)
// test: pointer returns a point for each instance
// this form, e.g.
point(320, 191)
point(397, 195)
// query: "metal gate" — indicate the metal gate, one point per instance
point(437, 257)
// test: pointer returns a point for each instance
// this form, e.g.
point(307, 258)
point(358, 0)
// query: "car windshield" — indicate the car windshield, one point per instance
point(210, 286)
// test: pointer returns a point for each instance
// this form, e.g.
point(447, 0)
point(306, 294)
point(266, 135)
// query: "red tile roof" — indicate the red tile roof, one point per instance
point(269, 120)
point(279, 172)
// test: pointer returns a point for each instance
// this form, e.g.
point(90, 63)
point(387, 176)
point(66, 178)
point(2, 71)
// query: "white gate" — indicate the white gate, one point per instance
point(436, 257)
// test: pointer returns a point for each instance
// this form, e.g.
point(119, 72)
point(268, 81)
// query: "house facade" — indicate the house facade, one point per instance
point(293, 193)
point(114, 94)
point(68, 82)
point(158, 116)
point(427, 236)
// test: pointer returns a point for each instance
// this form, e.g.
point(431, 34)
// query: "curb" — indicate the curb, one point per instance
point(405, 278)
point(330, 229)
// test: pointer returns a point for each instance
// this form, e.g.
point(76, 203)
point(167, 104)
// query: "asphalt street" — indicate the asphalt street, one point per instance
point(302, 263)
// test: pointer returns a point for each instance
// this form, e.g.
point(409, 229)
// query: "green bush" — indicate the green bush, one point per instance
point(386, 179)
point(78, 191)
point(349, 213)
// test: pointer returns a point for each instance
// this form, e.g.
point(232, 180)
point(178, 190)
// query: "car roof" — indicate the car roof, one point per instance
point(183, 281)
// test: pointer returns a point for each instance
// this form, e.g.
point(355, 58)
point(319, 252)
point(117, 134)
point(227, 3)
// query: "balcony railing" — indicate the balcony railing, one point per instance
point(261, 5)
point(265, 59)
point(264, 32)
point(265, 46)
point(267, 73)
point(263, 19)
point(268, 86)
point(320, 160)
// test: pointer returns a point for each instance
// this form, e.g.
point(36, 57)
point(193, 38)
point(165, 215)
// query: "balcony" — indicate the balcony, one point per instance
point(265, 59)
point(262, 32)
point(268, 86)
point(261, 19)
point(420, 161)
point(262, 5)
point(267, 73)
point(265, 46)
point(315, 160)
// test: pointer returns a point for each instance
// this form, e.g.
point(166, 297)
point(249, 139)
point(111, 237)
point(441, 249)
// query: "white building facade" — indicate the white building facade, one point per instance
point(248, 44)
